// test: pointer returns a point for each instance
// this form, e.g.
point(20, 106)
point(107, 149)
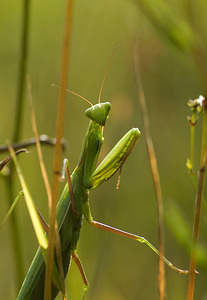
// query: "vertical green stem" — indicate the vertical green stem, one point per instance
point(192, 130)
point(192, 138)
point(199, 195)
point(16, 241)
point(22, 72)
point(203, 140)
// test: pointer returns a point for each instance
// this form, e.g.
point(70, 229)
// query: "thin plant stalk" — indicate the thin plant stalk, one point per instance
point(192, 155)
point(57, 158)
point(191, 169)
point(155, 174)
point(199, 195)
point(190, 163)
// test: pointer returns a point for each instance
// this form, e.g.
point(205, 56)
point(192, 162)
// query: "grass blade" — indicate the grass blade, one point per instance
point(37, 225)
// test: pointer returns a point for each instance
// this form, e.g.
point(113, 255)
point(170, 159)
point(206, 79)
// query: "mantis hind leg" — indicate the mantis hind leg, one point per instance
point(89, 218)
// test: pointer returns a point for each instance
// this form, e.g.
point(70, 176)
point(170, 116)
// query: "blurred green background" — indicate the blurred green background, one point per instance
point(117, 268)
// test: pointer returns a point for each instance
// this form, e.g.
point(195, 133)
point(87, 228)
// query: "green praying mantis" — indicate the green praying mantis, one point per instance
point(74, 204)
point(84, 178)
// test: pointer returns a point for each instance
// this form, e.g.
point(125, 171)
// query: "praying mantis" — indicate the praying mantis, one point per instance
point(84, 178)
point(74, 205)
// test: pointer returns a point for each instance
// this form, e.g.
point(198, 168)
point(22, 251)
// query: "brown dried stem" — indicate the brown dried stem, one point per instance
point(57, 158)
point(155, 173)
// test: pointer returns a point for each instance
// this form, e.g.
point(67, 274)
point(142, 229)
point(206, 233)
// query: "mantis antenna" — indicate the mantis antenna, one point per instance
point(79, 96)
point(99, 96)
point(74, 94)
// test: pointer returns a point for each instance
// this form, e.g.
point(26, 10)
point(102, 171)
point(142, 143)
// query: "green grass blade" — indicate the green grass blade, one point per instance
point(38, 228)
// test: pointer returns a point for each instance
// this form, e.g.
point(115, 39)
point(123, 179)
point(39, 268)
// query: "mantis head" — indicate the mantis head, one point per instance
point(99, 113)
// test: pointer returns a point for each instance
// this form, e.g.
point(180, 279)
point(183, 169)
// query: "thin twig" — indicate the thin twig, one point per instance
point(8, 158)
point(43, 139)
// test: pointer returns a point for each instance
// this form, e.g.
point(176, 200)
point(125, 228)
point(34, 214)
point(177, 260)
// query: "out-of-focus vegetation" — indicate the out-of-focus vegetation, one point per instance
point(172, 61)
